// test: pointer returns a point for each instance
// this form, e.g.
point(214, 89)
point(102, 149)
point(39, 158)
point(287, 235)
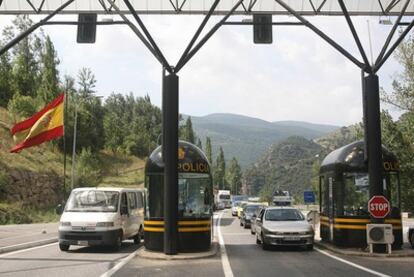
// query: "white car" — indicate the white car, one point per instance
point(102, 216)
point(283, 226)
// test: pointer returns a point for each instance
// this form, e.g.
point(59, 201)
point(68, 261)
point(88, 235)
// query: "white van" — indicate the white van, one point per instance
point(102, 216)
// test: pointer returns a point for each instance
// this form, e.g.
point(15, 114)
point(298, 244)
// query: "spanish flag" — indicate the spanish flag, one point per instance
point(43, 126)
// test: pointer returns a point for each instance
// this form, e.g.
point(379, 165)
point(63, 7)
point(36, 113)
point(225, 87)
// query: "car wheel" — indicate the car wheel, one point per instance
point(309, 247)
point(251, 231)
point(241, 223)
point(265, 246)
point(257, 240)
point(412, 239)
point(64, 247)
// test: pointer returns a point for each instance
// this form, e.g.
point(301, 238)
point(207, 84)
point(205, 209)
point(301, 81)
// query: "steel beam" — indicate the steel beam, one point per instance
point(148, 35)
point(32, 28)
point(393, 47)
point(355, 35)
point(137, 32)
point(170, 148)
point(207, 36)
point(197, 33)
point(322, 34)
point(391, 34)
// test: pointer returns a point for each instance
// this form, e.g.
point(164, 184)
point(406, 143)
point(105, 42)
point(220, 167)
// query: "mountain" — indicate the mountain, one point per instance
point(292, 163)
point(248, 138)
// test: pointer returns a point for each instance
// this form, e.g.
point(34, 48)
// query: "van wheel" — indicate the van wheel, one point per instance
point(251, 231)
point(117, 246)
point(139, 236)
point(64, 247)
point(309, 247)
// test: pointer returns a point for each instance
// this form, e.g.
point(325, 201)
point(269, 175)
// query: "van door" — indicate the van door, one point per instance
point(133, 213)
point(125, 218)
point(259, 223)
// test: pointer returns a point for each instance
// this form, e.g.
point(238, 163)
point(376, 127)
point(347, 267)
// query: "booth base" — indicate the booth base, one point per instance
point(148, 254)
point(404, 251)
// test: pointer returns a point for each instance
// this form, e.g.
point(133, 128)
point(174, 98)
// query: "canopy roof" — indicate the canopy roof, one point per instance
point(304, 7)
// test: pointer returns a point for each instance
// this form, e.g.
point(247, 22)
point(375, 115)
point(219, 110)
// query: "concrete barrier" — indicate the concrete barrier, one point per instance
point(31, 244)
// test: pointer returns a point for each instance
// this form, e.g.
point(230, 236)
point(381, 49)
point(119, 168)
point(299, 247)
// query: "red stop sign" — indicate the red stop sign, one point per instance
point(378, 206)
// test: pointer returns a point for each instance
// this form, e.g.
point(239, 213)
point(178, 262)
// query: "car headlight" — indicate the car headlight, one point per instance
point(65, 223)
point(104, 224)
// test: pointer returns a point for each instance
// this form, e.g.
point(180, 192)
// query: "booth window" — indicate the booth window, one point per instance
point(155, 195)
point(194, 195)
point(355, 194)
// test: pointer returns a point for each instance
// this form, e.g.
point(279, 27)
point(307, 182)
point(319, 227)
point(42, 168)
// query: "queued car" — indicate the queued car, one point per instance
point(253, 221)
point(411, 236)
point(249, 212)
point(240, 208)
point(235, 206)
point(283, 226)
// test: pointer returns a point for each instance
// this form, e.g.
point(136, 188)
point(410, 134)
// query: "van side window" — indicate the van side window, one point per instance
point(124, 200)
point(140, 202)
point(132, 200)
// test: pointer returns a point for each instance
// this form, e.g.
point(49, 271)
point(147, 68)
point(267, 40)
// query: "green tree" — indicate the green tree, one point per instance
point(6, 91)
point(86, 82)
point(25, 64)
point(209, 152)
point(220, 170)
point(199, 144)
point(187, 133)
point(88, 169)
point(49, 74)
point(234, 176)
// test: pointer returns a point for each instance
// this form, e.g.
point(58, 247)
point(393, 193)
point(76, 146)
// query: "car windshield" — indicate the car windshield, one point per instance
point(252, 209)
point(92, 201)
point(284, 215)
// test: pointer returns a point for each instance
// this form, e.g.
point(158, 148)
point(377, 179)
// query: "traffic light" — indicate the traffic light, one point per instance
point(86, 28)
point(262, 28)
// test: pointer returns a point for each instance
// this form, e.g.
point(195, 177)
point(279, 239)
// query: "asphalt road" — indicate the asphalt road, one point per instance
point(244, 258)
point(49, 261)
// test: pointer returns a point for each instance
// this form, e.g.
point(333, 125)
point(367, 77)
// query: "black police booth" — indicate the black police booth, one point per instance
point(344, 196)
point(195, 200)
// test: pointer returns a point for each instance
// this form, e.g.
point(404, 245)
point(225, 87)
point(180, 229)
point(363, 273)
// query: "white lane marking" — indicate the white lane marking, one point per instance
point(27, 249)
point(352, 264)
point(119, 265)
point(224, 258)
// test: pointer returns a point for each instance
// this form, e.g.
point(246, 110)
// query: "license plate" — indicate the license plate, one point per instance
point(83, 242)
point(292, 238)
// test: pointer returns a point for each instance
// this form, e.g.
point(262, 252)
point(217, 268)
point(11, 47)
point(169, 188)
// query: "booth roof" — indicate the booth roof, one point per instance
point(191, 154)
point(351, 158)
point(304, 7)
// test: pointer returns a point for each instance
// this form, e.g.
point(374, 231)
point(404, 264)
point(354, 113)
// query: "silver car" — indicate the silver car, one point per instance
point(283, 226)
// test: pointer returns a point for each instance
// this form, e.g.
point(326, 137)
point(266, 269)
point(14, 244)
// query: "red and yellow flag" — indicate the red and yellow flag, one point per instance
point(43, 126)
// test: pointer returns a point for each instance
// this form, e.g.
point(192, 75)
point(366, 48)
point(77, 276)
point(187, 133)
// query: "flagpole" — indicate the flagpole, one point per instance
point(64, 143)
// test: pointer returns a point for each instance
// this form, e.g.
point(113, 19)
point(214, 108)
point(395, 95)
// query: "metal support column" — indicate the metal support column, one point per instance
point(373, 144)
point(170, 149)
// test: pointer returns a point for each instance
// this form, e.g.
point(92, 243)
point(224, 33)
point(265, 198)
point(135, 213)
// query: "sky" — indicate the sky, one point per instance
point(298, 77)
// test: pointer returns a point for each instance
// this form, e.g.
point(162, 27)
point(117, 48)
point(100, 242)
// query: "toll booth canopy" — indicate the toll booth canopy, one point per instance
point(344, 195)
point(195, 200)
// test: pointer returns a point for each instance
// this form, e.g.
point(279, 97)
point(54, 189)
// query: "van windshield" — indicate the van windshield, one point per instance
point(93, 201)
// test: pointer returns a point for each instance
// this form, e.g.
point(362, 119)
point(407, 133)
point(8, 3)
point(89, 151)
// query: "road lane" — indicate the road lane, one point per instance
point(50, 261)
point(248, 259)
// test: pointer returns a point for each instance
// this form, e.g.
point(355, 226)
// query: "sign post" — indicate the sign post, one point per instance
point(379, 206)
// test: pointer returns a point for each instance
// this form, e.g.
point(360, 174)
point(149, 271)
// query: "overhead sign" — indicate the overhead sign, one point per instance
point(379, 206)
point(309, 197)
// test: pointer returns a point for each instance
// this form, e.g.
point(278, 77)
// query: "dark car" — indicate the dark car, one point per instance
point(249, 212)
point(411, 236)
